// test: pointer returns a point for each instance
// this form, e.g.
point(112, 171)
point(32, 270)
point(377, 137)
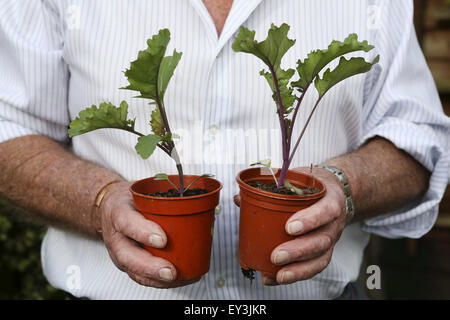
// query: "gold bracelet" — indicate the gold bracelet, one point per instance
point(102, 192)
point(99, 199)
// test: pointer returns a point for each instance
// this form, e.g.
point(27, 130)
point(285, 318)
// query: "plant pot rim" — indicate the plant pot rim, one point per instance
point(243, 184)
point(175, 198)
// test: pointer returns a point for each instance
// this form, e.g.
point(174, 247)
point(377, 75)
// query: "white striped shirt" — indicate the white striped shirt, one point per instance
point(60, 56)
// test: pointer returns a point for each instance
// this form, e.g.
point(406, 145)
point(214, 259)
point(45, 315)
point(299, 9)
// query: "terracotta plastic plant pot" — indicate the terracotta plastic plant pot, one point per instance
point(263, 216)
point(187, 221)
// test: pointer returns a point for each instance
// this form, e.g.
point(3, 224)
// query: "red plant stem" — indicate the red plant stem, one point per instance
point(180, 174)
point(286, 164)
point(304, 129)
point(297, 107)
point(284, 170)
point(284, 141)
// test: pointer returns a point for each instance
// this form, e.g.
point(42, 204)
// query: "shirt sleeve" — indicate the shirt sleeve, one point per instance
point(402, 105)
point(33, 74)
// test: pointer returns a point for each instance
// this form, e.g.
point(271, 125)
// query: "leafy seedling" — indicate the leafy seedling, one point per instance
point(149, 75)
point(266, 163)
point(287, 94)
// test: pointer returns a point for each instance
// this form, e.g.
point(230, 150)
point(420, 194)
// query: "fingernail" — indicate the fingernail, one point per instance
point(166, 274)
point(287, 277)
point(281, 257)
point(294, 227)
point(156, 241)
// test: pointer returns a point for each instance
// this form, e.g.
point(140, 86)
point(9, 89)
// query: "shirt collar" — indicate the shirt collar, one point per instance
point(239, 13)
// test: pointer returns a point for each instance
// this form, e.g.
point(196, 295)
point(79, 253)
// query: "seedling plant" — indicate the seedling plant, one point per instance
point(149, 75)
point(289, 95)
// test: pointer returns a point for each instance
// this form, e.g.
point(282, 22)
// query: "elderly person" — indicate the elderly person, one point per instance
point(384, 130)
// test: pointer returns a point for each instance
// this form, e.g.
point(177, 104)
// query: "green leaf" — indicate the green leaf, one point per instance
point(196, 179)
point(317, 60)
point(166, 71)
point(266, 163)
point(161, 176)
point(105, 116)
point(169, 137)
point(245, 42)
point(165, 177)
point(151, 72)
point(344, 70)
point(146, 145)
point(289, 186)
point(286, 92)
point(157, 124)
point(271, 52)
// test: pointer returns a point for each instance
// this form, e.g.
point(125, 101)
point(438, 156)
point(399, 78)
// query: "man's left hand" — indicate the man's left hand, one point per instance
point(317, 229)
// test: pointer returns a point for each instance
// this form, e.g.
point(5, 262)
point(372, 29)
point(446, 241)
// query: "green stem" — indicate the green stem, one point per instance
point(173, 184)
point(273, 175)
point(294, 117)
point(195, 180)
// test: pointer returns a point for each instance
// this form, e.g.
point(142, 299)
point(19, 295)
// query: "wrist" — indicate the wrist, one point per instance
point(351, 166)
point(98, 201)
point(344, 183)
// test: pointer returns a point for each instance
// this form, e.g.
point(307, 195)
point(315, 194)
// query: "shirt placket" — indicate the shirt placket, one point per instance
point(217, 282)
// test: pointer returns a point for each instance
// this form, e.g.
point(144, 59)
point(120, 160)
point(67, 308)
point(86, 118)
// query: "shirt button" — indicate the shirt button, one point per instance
point(218, 209)
point(213, 130)
point(220, 282)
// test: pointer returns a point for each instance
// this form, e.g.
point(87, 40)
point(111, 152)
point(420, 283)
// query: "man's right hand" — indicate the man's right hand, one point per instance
point(61, 189)
point(124, 232)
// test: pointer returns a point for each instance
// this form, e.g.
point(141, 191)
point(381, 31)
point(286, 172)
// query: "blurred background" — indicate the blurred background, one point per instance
point(420, 269)
point(410, 269)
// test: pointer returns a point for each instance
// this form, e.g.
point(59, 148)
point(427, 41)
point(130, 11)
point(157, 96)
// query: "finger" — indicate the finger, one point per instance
point(305, 247)
point(134, 225)
point(267, 281)
point(303, 270)
point(136, 261)
point(321, 213)
point(237, 200)
point(160, 284)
